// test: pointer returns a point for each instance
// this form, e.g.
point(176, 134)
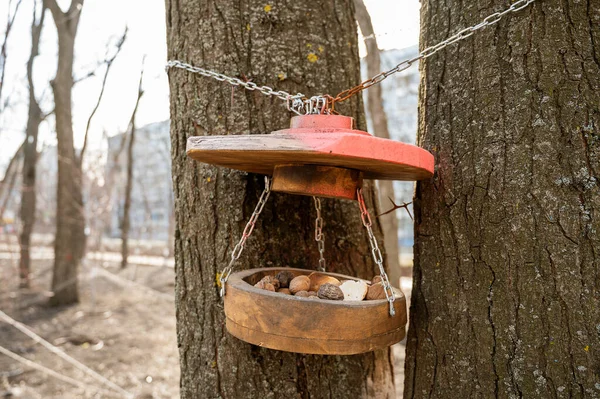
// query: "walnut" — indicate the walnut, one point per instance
point(302, 294)
point(376, 291)
point(300, 283)
point(376, 279)
point(330, 291)
point(354, 290)
point(317, 280)
point(265, 286)
point(271, 280)
point(284, 291)
point(284, 278)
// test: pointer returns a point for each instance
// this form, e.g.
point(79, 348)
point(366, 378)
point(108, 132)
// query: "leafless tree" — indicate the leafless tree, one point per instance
point(69, 243)
point(108, 61)
point(125, 222)
point(10, 20)
point(35, 117)
point(389, 222)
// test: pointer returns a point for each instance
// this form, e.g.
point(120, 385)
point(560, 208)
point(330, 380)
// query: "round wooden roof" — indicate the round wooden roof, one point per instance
point(315, 140)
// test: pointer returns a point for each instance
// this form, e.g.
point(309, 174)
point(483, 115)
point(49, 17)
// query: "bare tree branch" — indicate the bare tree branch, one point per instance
point(108, 62)
point(394, 207)
point(10, 19)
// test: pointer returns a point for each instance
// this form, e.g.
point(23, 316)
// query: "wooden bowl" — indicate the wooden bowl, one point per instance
point(313, 326)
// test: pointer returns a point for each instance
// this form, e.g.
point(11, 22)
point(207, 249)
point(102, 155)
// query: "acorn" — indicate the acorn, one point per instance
point(354, 290)
point(330, 291)
point(284, 291)
point(300, 283)
point(376, 291)
point(302, 294)
point(284, 278)
point(265, 286)
point(317, 280)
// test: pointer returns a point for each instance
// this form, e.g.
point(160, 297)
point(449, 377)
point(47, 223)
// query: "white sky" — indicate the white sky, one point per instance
point(396, 25)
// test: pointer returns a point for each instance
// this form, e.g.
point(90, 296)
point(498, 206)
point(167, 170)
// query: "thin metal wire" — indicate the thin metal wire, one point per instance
point(319, 238)
point(300, 104)
point(53, 373)
point(375, 251)
point(237, 250)
point(80, 366)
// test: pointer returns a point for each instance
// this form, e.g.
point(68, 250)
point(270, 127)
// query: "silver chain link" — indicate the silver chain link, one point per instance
point(375, 251)
point(429, 51)
point(299, 104)
point(237, 250)
point(319, 238)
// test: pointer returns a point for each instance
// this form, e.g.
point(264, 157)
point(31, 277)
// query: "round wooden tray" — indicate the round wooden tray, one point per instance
point(313, 326)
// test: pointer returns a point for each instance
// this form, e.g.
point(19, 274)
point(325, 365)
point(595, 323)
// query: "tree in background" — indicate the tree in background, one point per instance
point(125, 221)
point(389, 222)
point(506, 278)
point(69, 242)
point(308, 47)
point(35, 117)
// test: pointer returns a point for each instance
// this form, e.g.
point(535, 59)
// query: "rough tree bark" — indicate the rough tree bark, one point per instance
point(69, 241)
point(389, 222)
point(125, 222)
point(28, 194)
point(506, 280)
point(309, 47)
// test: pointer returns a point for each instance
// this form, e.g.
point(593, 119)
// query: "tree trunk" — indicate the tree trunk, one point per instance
point(69, 241)
point(389, 222)
point(125, 222)
point(506, 278)
point(28, 194)
point(309, 47)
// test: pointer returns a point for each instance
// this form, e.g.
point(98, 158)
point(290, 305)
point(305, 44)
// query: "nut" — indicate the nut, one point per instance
point(354, 290)
point(265, 286)
point(271, 280)
point(376, 291)
point(330, 291)
point(317, 280)
point(284, 278)
point(302, 294)
point(284, 291)
point(376, 279)
point(312, 293)
point(300, 283)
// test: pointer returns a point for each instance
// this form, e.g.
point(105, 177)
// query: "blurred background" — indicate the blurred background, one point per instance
point(120, 107)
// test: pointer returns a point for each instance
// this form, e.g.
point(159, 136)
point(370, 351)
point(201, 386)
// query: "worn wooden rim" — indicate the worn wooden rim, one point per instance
point(313, 326)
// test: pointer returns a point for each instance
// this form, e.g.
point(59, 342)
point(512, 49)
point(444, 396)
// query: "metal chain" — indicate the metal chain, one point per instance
point(300, 104)
point(375, 251)
point(319, 234)
point(429, 51)
point(237, 250)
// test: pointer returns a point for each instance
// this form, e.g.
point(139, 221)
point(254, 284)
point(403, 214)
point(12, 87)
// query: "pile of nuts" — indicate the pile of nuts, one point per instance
point(322, 286)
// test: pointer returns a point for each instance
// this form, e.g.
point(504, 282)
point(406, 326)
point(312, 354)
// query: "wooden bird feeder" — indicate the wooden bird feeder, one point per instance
point(320, 156)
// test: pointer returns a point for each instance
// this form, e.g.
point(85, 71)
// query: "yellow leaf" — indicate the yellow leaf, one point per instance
point(268, 8)
point(248, 27)
point(312, 57)
point(218, 280)
point(587, 348)
point(321, 49)
point(281, 76)
point(208, 179)
point(308, 45)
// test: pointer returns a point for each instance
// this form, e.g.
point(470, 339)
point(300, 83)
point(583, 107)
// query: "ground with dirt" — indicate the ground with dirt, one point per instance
point(123, 328)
